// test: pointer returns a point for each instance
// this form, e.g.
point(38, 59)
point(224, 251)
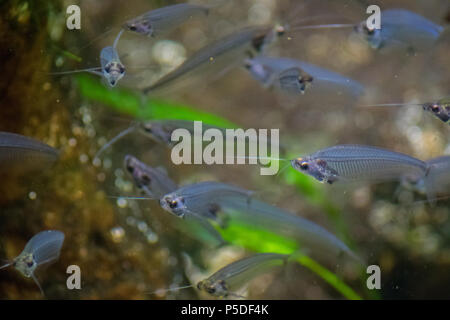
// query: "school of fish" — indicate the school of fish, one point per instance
point(213, 205)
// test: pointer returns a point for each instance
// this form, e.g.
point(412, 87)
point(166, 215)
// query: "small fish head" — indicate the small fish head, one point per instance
point(141, 26)
point(267, 36)
point(298, 82)
point(113, 72)
point(439, 110)
point(130, 163)
point(174, 204)
point(316, 168)
point(157, 132)
point(134, 167)
point(25, 264)
point(371, 36)
point(216, 288)
point(305, 80)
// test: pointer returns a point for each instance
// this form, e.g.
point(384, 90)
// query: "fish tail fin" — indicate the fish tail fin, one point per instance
point(355, 257)
point(444, 36)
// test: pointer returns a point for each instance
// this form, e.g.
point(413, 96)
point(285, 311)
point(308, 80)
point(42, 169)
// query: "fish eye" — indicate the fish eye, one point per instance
point(434, 108)
point(108, 68)
point(211, 290)
point(30, 264)
point(301, 81)
point(130, 169)
point(305, 79)
point(173, 204)
point(304, 165)
point(223, 284)
point(132, 28)
point(280, 30)
point(369, 31)
point(146, 179)
point(121, 69)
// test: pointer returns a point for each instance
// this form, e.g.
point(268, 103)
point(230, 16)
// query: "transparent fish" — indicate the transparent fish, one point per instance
point(358, 163)
point(203, 199)
point(401, 27)
point(230, 278)
point(111, 68)
point(161, 20)
point(295, 76)
point(21, 155)
point(226, 281)
point(214, 201)
point(153, 181)
point(440, 109)
point(42, 249)
point(222, 54)
point(292, 80)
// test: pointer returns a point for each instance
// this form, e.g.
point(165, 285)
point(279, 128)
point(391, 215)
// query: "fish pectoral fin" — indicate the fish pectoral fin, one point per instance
point(38, 284)
point(232, 294)
point(331, 179)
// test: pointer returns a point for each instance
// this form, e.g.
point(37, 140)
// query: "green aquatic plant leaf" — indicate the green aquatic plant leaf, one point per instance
point(66, 53)
point(142, 107)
